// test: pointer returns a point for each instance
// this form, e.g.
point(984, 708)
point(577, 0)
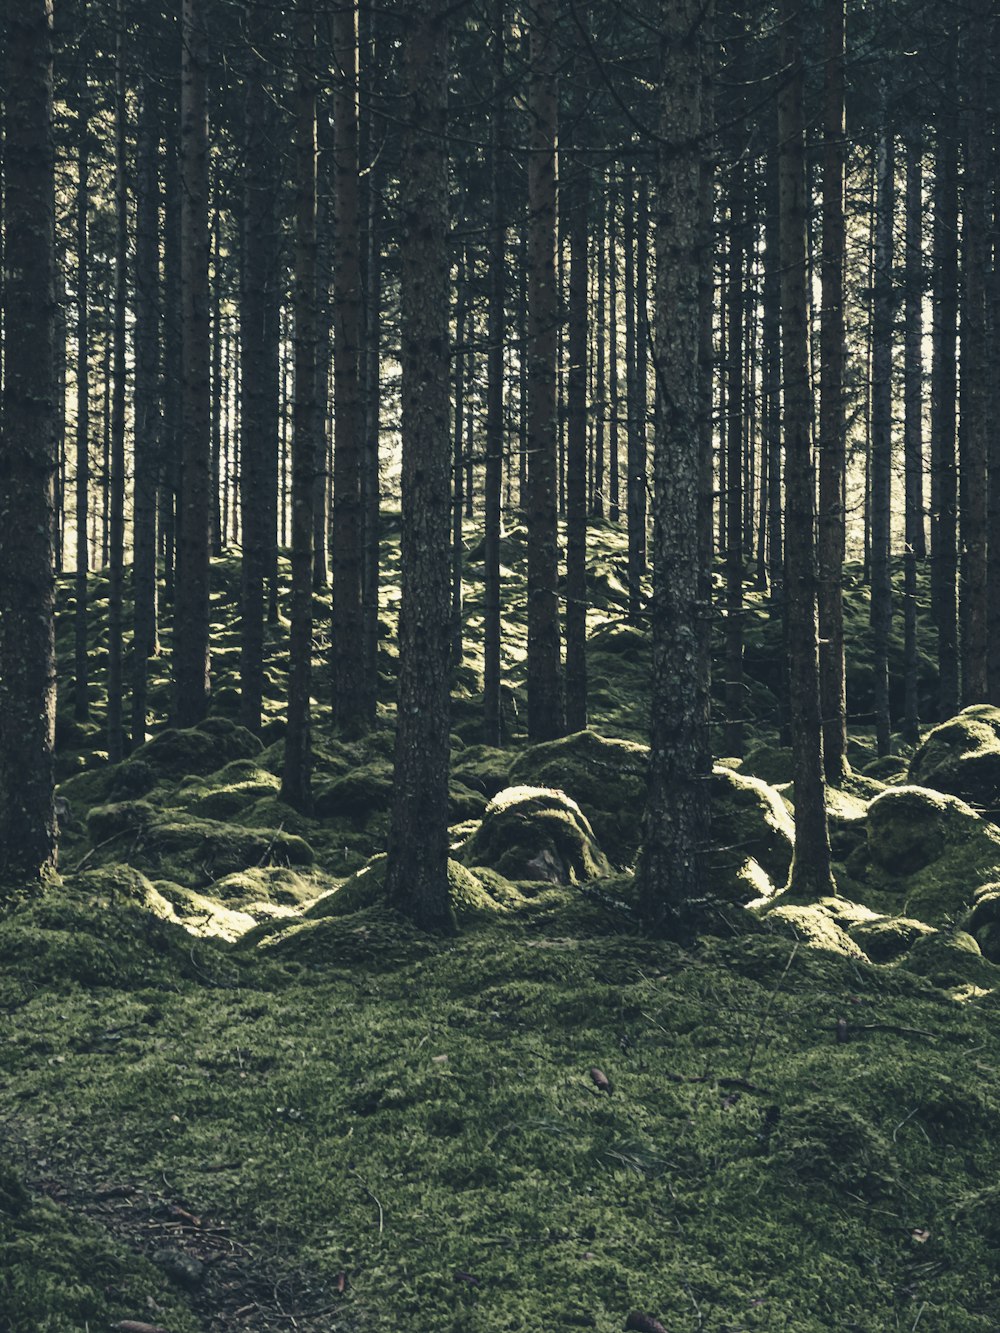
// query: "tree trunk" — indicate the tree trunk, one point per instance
point(832, 421)
point(545, 703)
point(734, 463)
point(676, 825)
point(81, 688)
point(350, 714)
point(913, 425)
point(882, 323)
point(296, 778)
point(147, 401)
point(492, 622)
point(191, 615)
point(27, 544)
point(577, 224)
point(417, 865)
point(810, 874)
point(116, 589)
point(600, 358)
point(614, 510)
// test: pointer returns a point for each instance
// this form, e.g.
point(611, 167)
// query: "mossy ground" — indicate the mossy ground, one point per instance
point(216, 1037)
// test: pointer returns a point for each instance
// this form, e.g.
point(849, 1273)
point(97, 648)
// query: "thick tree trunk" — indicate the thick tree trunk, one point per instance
point(191, 615)
point(27, 458)
point(296, 778)
point(417, 866)
point(832, 421)
point(350, 714)
point(677, 812)
point(545, 702)
point(810, 874)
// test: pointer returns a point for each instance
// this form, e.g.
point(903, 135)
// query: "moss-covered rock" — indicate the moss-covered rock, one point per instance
point(749, 821)
point(201, 749)
point(481, 768)
point(887, 938)
point(950, 958)
point(925, 856)
point(983, 921)
point(814, 924)
point(536, 833)
point(269, 886)
point(962, 757)
point(359, 794)
point(472, 892)
point(607, 779)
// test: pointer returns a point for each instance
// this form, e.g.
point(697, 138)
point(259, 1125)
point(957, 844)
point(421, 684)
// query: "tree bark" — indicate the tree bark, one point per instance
point(28, 457)
point(417, 865)
point(81, 688)
point(810, 873)
point(676, 824)
point(881, 445)
point(116, 481)
point(191, 610)
point(577, 224)
point(832, 421)
point(913, 426)
point(545, 701)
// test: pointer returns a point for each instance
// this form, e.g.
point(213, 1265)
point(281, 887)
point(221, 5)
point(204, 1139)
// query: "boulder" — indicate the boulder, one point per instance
point(962, 757)
point(536, 833)
point(749, 821)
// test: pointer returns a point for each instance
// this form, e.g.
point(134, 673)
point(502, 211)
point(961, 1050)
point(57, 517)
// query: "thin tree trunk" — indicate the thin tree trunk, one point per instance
point(116, 590)
point(810, 873)
point(462, 334)
point(832, 421)
point(576, 224)
point(600, 360)
point(147, 402)
point(296, 778)
point(545, 702)
point(913, 449)
point(81, 688)
point(881, 603)
point(350, 713)
point(734, 464)
point(191, 615)
point(614, 511)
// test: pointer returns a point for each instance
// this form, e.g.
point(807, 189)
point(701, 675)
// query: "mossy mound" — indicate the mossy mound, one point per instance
point(771, 763)
point(535, 833)
point(201, 749)
point(376, 938)
point(962, 757)
point(472, 893)
point(359, 794)
point(204, 916)
point(229, 791)
point(749, 821)
point(108, 926)
point(481, 768)
point(887, 938)
point(816, 925)
point(826, 1141)
point(261, 889)
point(925, 855)
point(949, 958)
point(606, 778)
point(983, 921)
point(192, 852)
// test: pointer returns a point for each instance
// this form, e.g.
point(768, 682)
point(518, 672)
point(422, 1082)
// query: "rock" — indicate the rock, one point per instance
point(184, 1269)
point(523, 824)
point(950, 958)
point(815, 925)
point(472, 892)
point(201, 749)
point(607, 779)
point(962, 757)
point(749, 821)
point(983, 921)
point(887, 938)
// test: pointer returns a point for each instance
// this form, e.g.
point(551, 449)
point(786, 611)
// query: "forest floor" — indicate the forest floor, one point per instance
point(237, 1092)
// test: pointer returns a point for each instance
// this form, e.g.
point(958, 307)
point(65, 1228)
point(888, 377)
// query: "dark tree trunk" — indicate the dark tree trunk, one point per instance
point(734, 462)
point(771, 352)
point(677, 812)
point(463, 333)
point(296, 778)
point(545, 702)
point(191, 615)
point(417, 866)
point(810, 874)
point(370, 481)
point(147, 402)
point(882, 338)
point(832, 421)
point(576, 223)
point(600, 360)
point(635, 482)
point(259, 390)
point(614, 487)
point(81, 688)
point(28, 456)
point(913, 445)
point(350, 711)
point(492, 623)
point(973, 424)
point(171, 438)
point(116, 501)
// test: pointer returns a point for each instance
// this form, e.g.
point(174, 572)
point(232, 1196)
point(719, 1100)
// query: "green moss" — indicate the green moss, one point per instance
point(534, 833)
point(950, 958)
point(749, 820)
point(197, 750)
point(962, 756)
point(887, 938)
point(481, 768)
point(606, 778)
point(472, 892)
point(813, 924)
